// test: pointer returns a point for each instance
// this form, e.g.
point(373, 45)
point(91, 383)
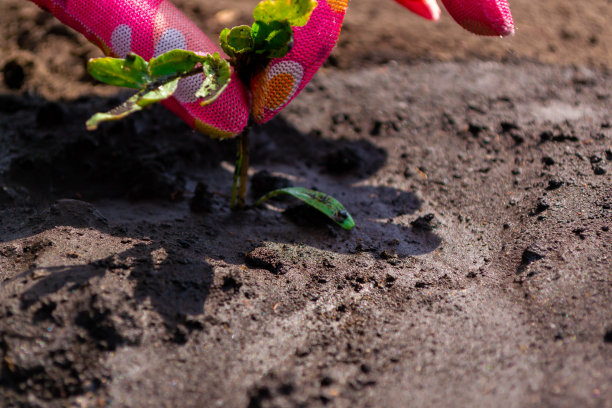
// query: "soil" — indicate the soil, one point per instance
point(479, 274)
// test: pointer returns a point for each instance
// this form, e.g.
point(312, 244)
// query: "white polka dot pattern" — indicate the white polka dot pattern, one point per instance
point(171, 39)
point(187, 88)
point(121, 40)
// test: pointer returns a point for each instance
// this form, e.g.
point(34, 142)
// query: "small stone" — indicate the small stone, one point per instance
point(580, 232)
point(595, 159)
point(554, 184)
point(475, 129)
point(376, 128)
point(509, 126)
point(541, 206)
point(599, 170)
point(425, 223)
point(530, 255)
point(546, 136)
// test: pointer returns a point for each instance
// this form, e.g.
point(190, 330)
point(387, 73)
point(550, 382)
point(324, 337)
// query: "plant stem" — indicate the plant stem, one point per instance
point(244, 169)
point(241, 172)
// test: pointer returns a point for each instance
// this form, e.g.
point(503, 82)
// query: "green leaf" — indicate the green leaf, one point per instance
point(326, 204)
point(272, 39)
point(134, 104)
point(216, 76)
point(165, 73)
point(151, 96)
point(240, 38)
point(134, 62)
point(216, 72)
point(130, 72)
point(126, 108)
point(223, 42)
point(295, 12)
point(237, 40)
point(174, 62)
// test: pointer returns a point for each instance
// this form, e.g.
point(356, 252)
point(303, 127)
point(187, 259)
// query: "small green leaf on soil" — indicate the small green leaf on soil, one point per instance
point(326, 204)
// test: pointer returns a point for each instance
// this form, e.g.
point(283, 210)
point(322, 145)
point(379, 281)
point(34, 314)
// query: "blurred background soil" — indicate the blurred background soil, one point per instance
point(477, 170)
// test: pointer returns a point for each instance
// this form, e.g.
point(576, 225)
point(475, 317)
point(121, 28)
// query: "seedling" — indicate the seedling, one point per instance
point(249, 50)
point(157, 79)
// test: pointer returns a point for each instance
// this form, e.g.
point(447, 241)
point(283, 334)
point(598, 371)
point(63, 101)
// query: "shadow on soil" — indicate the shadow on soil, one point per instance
point(154, 158)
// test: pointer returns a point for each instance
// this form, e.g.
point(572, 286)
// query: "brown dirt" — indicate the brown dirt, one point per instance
point(479, 274)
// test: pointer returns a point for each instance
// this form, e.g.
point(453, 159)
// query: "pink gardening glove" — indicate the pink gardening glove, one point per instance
point(483, 17)
point(428, 9)
point(151, 27)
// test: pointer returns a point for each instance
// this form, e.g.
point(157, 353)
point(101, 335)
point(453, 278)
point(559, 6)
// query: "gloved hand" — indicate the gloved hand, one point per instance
point(152, 27)
point(483, 17)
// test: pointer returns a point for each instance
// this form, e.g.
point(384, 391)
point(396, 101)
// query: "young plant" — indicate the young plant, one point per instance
point(157, 79)
point(249, 51)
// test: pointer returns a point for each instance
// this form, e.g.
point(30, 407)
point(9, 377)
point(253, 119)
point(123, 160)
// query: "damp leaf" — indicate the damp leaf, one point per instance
point(158, 93)
point(295, 12)
point(324, 203)
point(126, 108)
point(134, 104)
point(216, 76)
point(130, 72)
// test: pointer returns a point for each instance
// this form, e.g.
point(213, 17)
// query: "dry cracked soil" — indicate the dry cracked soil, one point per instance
point(479, 274)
